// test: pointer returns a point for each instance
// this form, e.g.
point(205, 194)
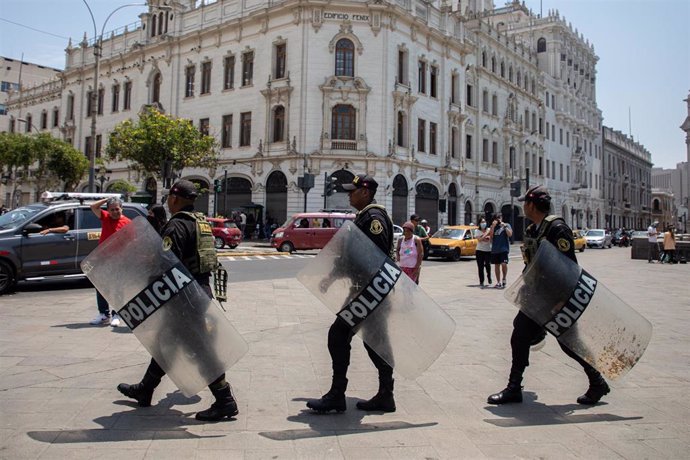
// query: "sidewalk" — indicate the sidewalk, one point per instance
point(58, 377)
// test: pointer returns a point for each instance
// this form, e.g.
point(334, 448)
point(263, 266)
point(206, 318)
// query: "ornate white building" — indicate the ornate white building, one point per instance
point(444, 105)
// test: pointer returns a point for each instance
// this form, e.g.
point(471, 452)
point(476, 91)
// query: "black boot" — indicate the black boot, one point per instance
point(512, 393)
point(597, 388)
point(224, 406)
point(383, 400)
point(333, 400)
point(142, 391)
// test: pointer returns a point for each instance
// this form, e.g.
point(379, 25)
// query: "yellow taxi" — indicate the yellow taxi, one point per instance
point(454, 242)
point(580, 241)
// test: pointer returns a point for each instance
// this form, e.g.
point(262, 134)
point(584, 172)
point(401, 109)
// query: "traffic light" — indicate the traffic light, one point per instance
point(330, 186)
point(515, 188)
point(217, 186)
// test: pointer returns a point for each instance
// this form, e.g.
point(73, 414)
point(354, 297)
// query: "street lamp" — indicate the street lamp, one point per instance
point(93, 101)
point(103, 178)
point(31, 125)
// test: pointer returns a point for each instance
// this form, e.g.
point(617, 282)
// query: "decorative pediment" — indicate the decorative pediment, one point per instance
point(346, 32)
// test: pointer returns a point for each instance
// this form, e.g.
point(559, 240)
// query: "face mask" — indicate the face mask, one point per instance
point(482, 225)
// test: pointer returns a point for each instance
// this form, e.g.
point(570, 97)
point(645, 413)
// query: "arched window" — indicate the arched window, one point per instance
point(483, 58)
point(503, 69)
point(156, 91)
point(510, 74)
point(493, 64)
point(541, 45)
point(343, 122)
point(160, 23)
point(153, 26)
point(519, 78)
point(279, 124)
point(345, 58)
point(468, 212)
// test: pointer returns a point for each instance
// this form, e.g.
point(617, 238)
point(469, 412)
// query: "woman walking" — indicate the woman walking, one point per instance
point(410, 252)
point(669, 246)
point(483, 252)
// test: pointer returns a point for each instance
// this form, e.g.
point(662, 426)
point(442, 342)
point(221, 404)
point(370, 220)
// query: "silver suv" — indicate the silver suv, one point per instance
point(26, 254)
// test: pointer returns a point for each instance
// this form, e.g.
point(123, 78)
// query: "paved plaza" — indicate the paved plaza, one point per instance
point(58, 376)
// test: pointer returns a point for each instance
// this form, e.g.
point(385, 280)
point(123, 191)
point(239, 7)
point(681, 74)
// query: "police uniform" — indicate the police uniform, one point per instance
point(526, 332)
point(189, 236)
point(374, 221)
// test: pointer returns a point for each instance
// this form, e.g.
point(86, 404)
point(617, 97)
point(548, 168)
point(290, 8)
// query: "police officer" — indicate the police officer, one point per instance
point(189, 236)
point(525, 331)
point(373, 220)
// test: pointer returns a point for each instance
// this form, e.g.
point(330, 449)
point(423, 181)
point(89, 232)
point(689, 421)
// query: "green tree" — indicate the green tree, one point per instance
point(157, 139)
point(52, 162)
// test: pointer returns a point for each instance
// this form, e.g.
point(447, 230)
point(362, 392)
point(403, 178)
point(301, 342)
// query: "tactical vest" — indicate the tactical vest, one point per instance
point(531, 244)
point(391, 250)
point(205, 256)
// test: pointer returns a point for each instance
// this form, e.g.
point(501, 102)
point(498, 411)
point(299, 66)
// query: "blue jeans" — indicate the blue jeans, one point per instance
point(103, 306)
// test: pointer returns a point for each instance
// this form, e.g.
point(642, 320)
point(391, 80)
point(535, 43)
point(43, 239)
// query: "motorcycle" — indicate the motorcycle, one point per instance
point(624, 241)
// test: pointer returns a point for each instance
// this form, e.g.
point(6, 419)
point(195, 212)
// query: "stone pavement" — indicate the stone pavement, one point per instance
point(58, 377)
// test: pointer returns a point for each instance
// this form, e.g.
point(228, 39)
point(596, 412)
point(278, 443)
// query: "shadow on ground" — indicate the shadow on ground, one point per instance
point(533, 413)
point(333, 424)
point(161, 422)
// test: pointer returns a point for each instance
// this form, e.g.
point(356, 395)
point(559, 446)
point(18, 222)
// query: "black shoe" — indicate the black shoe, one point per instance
point(594, 394)
point(328, 402)
point(218, 411)
point(511, 394)
point(381, 402)
point(224, 406)
point(137, 391)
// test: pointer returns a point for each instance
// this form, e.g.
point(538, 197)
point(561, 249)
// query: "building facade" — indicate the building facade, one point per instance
point(628, 181)
point(444, 105)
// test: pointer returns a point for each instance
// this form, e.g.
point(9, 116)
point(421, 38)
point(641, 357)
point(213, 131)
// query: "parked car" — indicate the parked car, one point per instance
point(397, 234)
point(454, 242)
point(26, 254)
point(598, 238)
point(308, 230)
point(225, 232)
point(580, 241)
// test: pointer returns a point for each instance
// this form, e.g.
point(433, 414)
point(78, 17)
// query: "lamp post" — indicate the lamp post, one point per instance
point(31, 125)
point(103, 178)
point(93, 100)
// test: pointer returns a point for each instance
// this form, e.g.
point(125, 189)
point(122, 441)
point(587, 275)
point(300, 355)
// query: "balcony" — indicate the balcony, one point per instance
point(343, 145)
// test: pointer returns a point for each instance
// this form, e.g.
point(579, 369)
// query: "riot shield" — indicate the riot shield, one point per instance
point(386, 309)
point(169, 312)
point(581, 312)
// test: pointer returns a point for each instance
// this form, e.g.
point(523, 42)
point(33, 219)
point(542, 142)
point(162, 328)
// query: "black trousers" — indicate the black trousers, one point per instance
point(526, 333)
point(484, 263)
point(339, 345)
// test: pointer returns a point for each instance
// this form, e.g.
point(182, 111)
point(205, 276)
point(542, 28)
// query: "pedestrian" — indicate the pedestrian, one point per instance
point(373, 220)
point(652, 236)
point(537, 204)
point(409, 252)
point(157, 217)
point(112, 220)
point(243, 223)
point(188, 235)
point(421, 233)
point(500, 234)
point(427, 229)
point(483, 252)
point(670, 246)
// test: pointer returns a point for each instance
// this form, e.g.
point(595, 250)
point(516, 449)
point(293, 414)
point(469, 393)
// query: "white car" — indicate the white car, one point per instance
point(397, 234)
point(598, 238)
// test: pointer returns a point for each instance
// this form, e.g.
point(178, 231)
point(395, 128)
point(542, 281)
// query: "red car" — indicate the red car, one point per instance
point(225, 232)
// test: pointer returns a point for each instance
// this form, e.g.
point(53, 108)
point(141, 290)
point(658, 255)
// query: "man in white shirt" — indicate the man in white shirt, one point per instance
point(652, 234)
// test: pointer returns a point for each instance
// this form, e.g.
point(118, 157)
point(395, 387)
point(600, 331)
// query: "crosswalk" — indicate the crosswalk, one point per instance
point(244, 258)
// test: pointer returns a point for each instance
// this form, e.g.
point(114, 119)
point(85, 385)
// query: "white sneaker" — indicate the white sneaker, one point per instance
point(115, 322)
point(100, 319)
